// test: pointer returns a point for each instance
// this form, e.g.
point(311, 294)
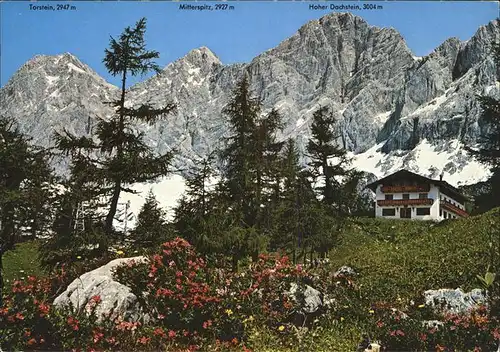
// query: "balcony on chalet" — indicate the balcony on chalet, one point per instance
point(403, 202)
point(447, 205)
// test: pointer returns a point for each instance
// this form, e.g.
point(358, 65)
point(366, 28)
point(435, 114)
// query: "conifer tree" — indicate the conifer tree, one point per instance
point(192, 215)
point(321, 149)
point(242, 182)
point(151, 229)
point(286, 211)
point(118, 153)
point(267, 166)
point(25, 178)
point(77, 229)
point(239, 166)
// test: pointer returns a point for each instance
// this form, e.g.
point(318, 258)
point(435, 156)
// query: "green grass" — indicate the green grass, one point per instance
point(397, 260)
point(21, 262)
point(401, 259)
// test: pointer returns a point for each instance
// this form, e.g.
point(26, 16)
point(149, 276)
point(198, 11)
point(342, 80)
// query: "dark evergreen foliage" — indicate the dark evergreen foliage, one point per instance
point(322, 149)
point(115, 154)
point(151, 229)
point(25, 189)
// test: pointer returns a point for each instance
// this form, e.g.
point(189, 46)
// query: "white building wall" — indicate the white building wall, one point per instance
point(432, 194)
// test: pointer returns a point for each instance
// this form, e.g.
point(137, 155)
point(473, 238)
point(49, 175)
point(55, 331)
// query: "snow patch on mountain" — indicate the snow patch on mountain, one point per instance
point(425, 159)
point(72, 67)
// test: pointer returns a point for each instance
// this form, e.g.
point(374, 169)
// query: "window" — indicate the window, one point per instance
point(389, 212)
point(440, 212)
point(389, 197)
point(423, 211)
point(406, 196)
point(423, 196)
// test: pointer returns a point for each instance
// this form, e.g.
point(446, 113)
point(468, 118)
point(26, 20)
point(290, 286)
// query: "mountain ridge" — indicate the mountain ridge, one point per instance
point(368, 76)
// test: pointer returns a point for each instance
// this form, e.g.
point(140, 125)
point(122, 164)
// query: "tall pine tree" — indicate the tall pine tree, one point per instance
point(120, 155)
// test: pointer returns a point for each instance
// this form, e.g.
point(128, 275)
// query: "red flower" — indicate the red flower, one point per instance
point(380, 323)
point(44, 309)
point(496, 333)
point(159, 332)
point(73, 323)
point(144, 340)
point(19, 316)
point(423, 337)
point(171, 334)
point(400, 333)
point(31, 341)
point(96, 299)
point(440, 348)
point(98, 335)
point(206, 324)
point(234, 341)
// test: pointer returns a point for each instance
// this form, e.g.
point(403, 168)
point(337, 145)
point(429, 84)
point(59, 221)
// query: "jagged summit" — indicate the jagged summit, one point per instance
point(372, 81)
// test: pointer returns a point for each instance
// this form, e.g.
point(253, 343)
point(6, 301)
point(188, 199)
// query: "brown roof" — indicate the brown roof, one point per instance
point(405, 174)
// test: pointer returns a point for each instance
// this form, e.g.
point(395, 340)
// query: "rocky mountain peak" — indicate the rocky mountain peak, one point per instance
point(393, 108)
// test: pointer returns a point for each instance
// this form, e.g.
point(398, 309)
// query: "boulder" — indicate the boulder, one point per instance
point(454, 301)
point(312, 298)
point(117, 300)
point(345, 271)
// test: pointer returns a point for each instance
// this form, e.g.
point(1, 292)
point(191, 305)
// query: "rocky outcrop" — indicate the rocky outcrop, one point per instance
point(454, 301)
point(382, 95)
point(117, 300)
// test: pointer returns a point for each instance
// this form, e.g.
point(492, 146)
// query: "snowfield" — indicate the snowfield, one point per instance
point(167, 192)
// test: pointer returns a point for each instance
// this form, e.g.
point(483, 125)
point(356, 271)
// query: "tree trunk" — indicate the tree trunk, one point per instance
point(119, 154)
point(113, 207)
point(234, 263)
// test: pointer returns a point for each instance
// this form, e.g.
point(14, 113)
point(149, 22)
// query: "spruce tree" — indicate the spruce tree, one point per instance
point(77, 229)
point(151, 229)
point(239, 164)
point(192, 215)
point(322, 148)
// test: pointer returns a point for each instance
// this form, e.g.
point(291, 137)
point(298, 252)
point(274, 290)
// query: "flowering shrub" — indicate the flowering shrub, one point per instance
point(191, 306)
point(474, 331)
point(193, 302)
point(172, 288)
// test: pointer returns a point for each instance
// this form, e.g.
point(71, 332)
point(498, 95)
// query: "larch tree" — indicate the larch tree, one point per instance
point(116, 148)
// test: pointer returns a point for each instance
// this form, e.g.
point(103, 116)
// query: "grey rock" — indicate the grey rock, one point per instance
point(454, 301)
point(312, 298)
point(345, 271)
point(367, 75)
point(117, 300)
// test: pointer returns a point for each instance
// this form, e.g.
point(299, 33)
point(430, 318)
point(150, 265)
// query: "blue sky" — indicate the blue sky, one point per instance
point(234, 36)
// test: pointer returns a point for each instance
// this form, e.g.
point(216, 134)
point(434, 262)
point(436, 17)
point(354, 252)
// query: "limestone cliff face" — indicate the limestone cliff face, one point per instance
point(389, 102)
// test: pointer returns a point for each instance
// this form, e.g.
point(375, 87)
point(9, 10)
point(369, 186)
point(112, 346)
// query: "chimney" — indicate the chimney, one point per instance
point(441, 176)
